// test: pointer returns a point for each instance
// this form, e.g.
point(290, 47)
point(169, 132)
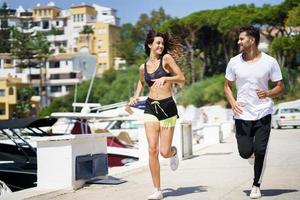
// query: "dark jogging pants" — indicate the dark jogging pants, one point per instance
point(252, 137)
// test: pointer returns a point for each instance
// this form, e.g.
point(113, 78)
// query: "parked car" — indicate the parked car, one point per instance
point(284, 116)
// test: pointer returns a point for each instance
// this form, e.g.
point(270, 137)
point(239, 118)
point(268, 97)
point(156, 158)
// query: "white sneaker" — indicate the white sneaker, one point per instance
point(174, 160)
point(255, 193)
point(251, 159)
point(156, 194)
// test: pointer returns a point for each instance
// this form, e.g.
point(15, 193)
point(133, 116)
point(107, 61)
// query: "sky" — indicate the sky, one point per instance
point(129, 11)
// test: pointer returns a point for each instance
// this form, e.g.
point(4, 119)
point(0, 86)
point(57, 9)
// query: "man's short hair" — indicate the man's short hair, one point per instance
point(251, 31)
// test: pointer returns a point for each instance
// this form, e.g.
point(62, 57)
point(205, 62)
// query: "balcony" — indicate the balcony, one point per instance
point(56, 38)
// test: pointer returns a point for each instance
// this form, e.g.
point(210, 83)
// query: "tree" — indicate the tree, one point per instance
point(23, 108)
point(22, 50)
point(4, 30)
point(41, 51)
point(285, 49)
point(88, 30)
point(293, 18)
point(131, 45)
point(127, 45)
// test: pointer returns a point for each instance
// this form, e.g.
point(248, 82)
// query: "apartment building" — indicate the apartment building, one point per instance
point(77, 52)
point(65, 29)
point(8, 96)
point(63, 71)
point(100, 41)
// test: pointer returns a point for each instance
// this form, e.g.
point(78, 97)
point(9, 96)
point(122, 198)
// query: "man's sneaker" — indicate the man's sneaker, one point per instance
point(156, 194)
point(251, 159)
point(174, 160)
point(255, 193)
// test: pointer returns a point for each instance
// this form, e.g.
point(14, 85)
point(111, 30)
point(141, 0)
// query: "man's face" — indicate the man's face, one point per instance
point(245, 42)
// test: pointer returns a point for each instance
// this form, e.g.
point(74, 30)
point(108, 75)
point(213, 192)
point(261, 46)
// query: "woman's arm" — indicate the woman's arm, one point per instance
point(171, 65)
point(139, 89)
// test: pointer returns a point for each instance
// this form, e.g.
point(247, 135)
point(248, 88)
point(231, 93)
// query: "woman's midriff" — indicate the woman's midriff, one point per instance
point(160, 93)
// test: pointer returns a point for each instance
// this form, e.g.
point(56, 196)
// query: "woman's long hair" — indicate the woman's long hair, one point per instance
point(171, 45)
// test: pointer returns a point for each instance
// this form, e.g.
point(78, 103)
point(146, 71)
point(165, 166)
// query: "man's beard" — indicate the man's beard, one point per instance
point(241, 50)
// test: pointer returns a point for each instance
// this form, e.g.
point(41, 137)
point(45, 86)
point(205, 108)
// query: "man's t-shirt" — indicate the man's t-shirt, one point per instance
point(249, 77)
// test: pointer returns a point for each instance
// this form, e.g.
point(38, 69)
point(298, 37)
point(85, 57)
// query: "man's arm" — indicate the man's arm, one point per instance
point(274, 92)
point(235, 106)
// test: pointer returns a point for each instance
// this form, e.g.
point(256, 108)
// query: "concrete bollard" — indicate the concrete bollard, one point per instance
point(227, 128)
point(56, 157)
point(211, 134)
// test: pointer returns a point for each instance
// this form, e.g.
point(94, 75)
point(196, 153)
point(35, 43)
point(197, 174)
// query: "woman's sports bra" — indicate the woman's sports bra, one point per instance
point(158, 73)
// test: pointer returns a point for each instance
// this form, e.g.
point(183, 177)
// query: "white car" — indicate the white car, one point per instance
point(286, 117)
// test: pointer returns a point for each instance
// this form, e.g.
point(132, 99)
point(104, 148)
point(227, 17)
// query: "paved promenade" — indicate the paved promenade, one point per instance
point(215, 172)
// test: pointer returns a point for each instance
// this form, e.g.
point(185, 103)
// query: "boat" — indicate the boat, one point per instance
point(18, 157)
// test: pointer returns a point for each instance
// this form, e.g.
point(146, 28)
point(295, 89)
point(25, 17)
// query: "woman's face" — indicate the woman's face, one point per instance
point(157, 46)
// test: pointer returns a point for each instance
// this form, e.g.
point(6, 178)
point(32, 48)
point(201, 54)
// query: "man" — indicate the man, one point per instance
point(252, 70)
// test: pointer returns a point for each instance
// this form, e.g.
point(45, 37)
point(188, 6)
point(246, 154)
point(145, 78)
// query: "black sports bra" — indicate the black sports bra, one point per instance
point(158, 73)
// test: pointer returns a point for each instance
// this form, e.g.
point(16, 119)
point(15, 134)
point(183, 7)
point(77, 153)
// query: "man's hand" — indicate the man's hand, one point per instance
point(262, 93)
point(236, 108)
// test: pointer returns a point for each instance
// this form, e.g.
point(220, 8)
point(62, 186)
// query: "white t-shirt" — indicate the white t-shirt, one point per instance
point(249, 77)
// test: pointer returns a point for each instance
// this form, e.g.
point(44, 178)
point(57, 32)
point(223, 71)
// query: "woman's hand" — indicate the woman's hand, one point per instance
point(133, 101)
point(159, 82)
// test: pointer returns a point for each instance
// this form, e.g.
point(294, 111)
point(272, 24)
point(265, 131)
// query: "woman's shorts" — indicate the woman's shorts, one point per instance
point(163, 111)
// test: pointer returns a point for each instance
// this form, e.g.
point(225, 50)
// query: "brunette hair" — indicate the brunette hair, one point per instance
point(171, 45)
point(251, 31)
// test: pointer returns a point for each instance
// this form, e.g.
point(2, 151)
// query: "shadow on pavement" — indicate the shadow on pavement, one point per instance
point(183, 191)
point(272, 192)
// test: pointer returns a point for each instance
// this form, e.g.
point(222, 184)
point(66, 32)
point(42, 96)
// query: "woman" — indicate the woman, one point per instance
point(160, 71)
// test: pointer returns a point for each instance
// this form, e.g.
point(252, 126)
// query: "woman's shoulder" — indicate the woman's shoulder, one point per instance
point(142, 66)
point(167, 58)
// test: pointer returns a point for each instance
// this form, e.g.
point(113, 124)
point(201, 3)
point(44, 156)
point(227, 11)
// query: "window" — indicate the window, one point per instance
point(56, 89)
point(101, 31)
point(54, 64)
point(102, 54)
point(2, 92)
point(99, 43)
point(35, 76)
point(72, 75)
point(69, 87)
point(2, 111)
point(8, 61)
point(290, 110)
point(102, 65)
point(11, 91)
point(36, 90)
point(45, 24)
point(57, 23)
point(54, 76)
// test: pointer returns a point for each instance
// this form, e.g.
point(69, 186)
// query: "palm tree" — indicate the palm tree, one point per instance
point(88, 30)
point(42, 51)
point(4, 30)
point(21, 49)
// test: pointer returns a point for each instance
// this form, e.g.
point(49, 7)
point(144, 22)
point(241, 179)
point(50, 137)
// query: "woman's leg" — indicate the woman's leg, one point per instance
point(152, 133)
point(166, 136)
